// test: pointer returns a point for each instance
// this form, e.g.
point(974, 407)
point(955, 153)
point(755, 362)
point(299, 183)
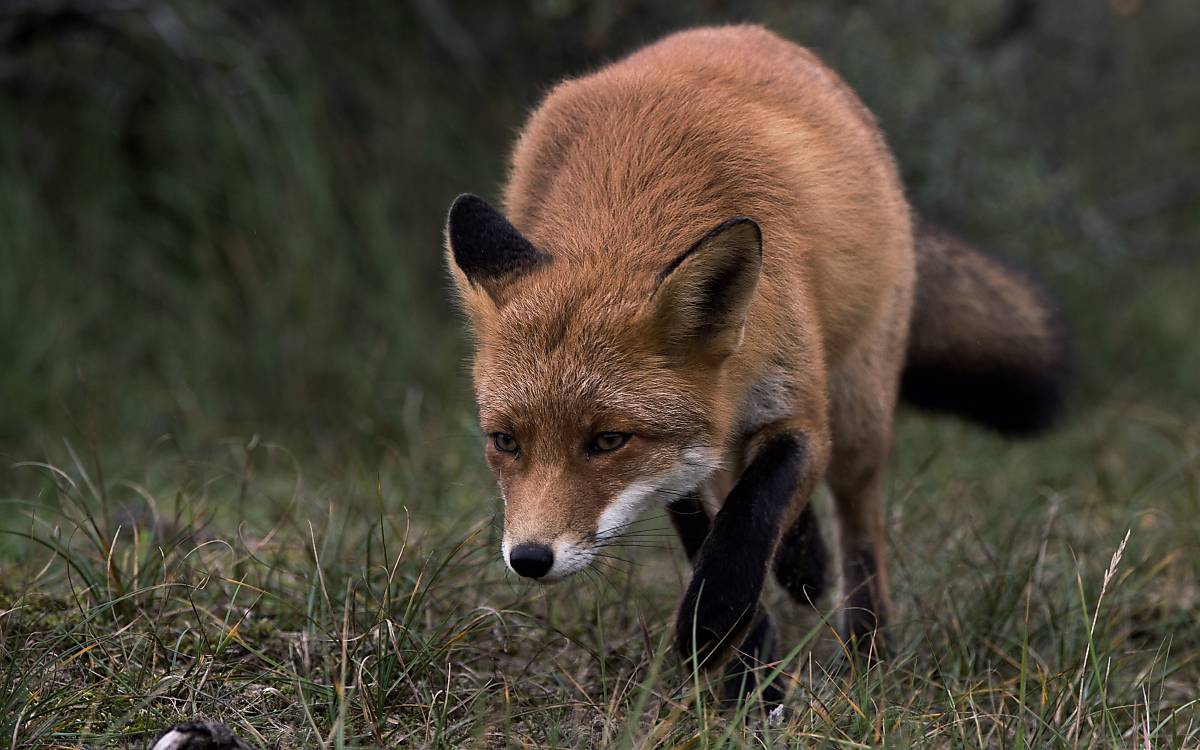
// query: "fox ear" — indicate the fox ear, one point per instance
point(703, 295)
point(486, 250)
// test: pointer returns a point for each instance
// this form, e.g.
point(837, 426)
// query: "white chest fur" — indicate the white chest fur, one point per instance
point(768, 400)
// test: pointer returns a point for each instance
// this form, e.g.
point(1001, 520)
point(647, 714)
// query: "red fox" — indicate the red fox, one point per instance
point(707, 292)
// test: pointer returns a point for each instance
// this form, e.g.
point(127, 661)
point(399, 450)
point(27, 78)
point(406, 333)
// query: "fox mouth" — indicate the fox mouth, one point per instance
point(574, 559)
point(567, 555)
point(568, 559)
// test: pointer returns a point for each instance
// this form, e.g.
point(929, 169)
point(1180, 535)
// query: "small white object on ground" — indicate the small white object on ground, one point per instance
point(776, 717)
point(200, 735)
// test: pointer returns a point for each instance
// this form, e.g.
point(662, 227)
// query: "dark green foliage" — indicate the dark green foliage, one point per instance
point(216, 215)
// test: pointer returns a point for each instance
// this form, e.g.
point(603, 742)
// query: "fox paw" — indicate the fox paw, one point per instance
point(751, 666)
point(708, 628)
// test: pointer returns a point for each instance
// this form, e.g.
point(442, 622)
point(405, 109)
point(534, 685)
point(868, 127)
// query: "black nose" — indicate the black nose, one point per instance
point(531, 560)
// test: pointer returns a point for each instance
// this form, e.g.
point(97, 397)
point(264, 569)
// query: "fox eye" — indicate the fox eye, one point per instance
point(606, 442)
point(504, 442)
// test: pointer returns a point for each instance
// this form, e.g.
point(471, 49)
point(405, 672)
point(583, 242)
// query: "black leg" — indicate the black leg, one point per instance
point(691, 523)
point(862, 627)
point(730, 567)
point(802, 559)
point(760, 647)
point(753, 662)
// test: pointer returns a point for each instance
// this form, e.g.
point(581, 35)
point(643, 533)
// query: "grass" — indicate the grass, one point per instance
point(1046, 597)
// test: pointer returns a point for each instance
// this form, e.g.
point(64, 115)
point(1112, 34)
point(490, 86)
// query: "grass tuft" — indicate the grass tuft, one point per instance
point(346, 613)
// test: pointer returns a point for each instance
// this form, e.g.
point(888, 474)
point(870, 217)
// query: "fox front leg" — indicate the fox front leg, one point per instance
point(691, 523)
point(731, 564)
point(760, 646)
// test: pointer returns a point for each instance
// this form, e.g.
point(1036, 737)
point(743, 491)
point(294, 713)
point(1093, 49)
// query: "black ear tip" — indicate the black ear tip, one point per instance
point(466, 204)
point(485, 245)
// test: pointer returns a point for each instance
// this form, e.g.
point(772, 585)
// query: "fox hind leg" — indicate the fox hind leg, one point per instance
point(863, 405)
point(864, 575)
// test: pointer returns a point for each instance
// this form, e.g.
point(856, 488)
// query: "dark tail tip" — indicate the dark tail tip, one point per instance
point(1012, 400)
point(987, 343)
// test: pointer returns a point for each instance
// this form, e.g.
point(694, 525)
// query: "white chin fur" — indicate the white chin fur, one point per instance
point(695, 465)
point(569, 559)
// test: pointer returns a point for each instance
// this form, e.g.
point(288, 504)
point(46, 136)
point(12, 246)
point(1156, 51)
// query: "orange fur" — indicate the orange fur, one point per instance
point(613, 178)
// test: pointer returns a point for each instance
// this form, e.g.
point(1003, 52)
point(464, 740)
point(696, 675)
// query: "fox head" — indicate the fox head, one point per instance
point(599, 389)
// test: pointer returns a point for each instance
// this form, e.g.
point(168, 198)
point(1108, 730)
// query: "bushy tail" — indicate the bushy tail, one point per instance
point(986, 343)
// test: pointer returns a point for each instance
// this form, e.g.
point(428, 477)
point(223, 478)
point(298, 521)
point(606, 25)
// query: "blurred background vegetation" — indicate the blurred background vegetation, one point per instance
point(224, 217)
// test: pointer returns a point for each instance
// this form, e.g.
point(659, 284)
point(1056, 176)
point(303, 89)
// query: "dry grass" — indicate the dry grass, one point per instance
point(1046, 594)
